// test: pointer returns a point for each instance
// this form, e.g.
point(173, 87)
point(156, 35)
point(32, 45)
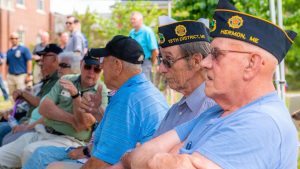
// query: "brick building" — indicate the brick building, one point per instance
point(26, 17)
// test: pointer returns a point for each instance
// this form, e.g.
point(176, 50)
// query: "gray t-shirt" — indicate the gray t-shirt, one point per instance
point(75, 43)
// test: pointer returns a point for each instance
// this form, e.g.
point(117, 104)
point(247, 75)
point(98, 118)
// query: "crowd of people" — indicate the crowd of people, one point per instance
point(229, 116)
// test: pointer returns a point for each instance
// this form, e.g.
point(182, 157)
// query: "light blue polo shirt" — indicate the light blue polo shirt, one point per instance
point(132, 115)
point(146, 38)
point(259, 135)
point(187, 108)
point(17, 59)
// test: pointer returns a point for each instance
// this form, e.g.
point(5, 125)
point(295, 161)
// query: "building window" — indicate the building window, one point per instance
point(21, 2)
point(40, 5)
point(6, 4)
point(21, 37)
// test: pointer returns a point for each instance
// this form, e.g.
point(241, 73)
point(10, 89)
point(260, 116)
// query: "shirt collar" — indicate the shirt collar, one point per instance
point(138, 78)
point(196, 99)
point(140, 30)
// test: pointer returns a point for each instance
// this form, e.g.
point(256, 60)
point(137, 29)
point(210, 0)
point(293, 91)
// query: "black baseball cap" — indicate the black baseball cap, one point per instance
point(52, 47)
point(92, 57)
point(124, 48)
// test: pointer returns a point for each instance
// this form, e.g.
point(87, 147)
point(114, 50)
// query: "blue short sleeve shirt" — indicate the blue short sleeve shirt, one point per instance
point(132, 116)
point(17, 59)
point(258, 135)
point(146, 38)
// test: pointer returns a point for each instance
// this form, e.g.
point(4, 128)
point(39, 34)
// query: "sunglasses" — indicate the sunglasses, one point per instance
point(168, 63)
point(89, 67)
point(64, 65)
point(69, 23)
point(216, 52)
point(13, 38)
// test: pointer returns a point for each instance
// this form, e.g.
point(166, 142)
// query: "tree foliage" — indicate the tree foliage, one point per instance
point(99, 29)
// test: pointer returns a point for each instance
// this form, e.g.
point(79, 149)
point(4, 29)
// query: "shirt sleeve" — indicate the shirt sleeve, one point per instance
point(241, 142)
point(27, 54)
point(152, 40)
point(78, 43)
point(54, 93)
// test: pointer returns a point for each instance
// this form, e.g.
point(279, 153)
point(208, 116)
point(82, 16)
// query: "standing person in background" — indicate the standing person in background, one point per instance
point(18, 69)
point(63, 40)
point(37, 75)
point(146, 38)
point(2, 86)
point(85, 41)
point(76, 41)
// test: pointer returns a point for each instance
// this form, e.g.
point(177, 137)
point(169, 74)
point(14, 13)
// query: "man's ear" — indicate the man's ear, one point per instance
point(255, 63)
point(119, 65)
point(196, 61)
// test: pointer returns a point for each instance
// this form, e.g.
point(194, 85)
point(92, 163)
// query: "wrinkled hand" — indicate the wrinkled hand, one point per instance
point(77, 153)
point(69, 86)
point(17, 94)
point(91, 102)
point(22, 127)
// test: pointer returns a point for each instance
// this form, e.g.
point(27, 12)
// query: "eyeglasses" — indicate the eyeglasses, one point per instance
point(168, 63)
point(216, 52)
point(89, 67)
point(64, 65)
point(69, 23)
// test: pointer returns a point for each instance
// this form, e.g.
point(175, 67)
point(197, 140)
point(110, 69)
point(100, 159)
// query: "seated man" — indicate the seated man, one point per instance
point(65, 125)
point(251, 127)
point(49, 72)
point(133, 113)
point(65, 60)
point(180, 64)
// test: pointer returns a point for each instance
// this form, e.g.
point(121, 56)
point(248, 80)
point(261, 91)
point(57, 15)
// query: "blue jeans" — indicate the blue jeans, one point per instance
point(4, 129)
point(2, 87)
point(43, 156)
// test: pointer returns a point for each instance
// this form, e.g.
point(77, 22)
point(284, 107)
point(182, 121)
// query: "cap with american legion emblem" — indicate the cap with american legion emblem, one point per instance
point(172, 32)
point(92, 57)
point(228, 22)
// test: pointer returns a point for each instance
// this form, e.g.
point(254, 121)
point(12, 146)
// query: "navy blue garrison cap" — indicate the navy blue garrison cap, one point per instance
point(228, 22)
point(182, 32)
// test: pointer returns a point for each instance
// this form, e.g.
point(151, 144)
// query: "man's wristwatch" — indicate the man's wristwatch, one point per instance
point(76, 95)
point(86, 151)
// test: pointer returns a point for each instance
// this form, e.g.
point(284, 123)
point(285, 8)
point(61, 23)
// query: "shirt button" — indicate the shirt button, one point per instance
point(180, 113)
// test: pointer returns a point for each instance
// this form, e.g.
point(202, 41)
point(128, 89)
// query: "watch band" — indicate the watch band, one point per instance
point(76, 95)
point(86, 151)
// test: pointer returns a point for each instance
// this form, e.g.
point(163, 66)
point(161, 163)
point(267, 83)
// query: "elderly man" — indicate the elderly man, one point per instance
point(49, 65)
point(146, 38)
point(251, 128)
point(64, 61)
point(180, 65)
point(37, 76)
point(142, 106)
point(65, 124)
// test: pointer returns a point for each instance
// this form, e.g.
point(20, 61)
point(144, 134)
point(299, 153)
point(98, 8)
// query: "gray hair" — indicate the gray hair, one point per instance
point(189, 49)
point(73, 59)
point(131, 66)
point(137, 14)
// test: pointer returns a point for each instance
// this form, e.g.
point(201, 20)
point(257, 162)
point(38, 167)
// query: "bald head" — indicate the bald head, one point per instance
point(136, 20)
point(14, 38)
point(45, 37)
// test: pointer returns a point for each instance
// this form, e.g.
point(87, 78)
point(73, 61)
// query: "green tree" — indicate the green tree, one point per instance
point(99, 29)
